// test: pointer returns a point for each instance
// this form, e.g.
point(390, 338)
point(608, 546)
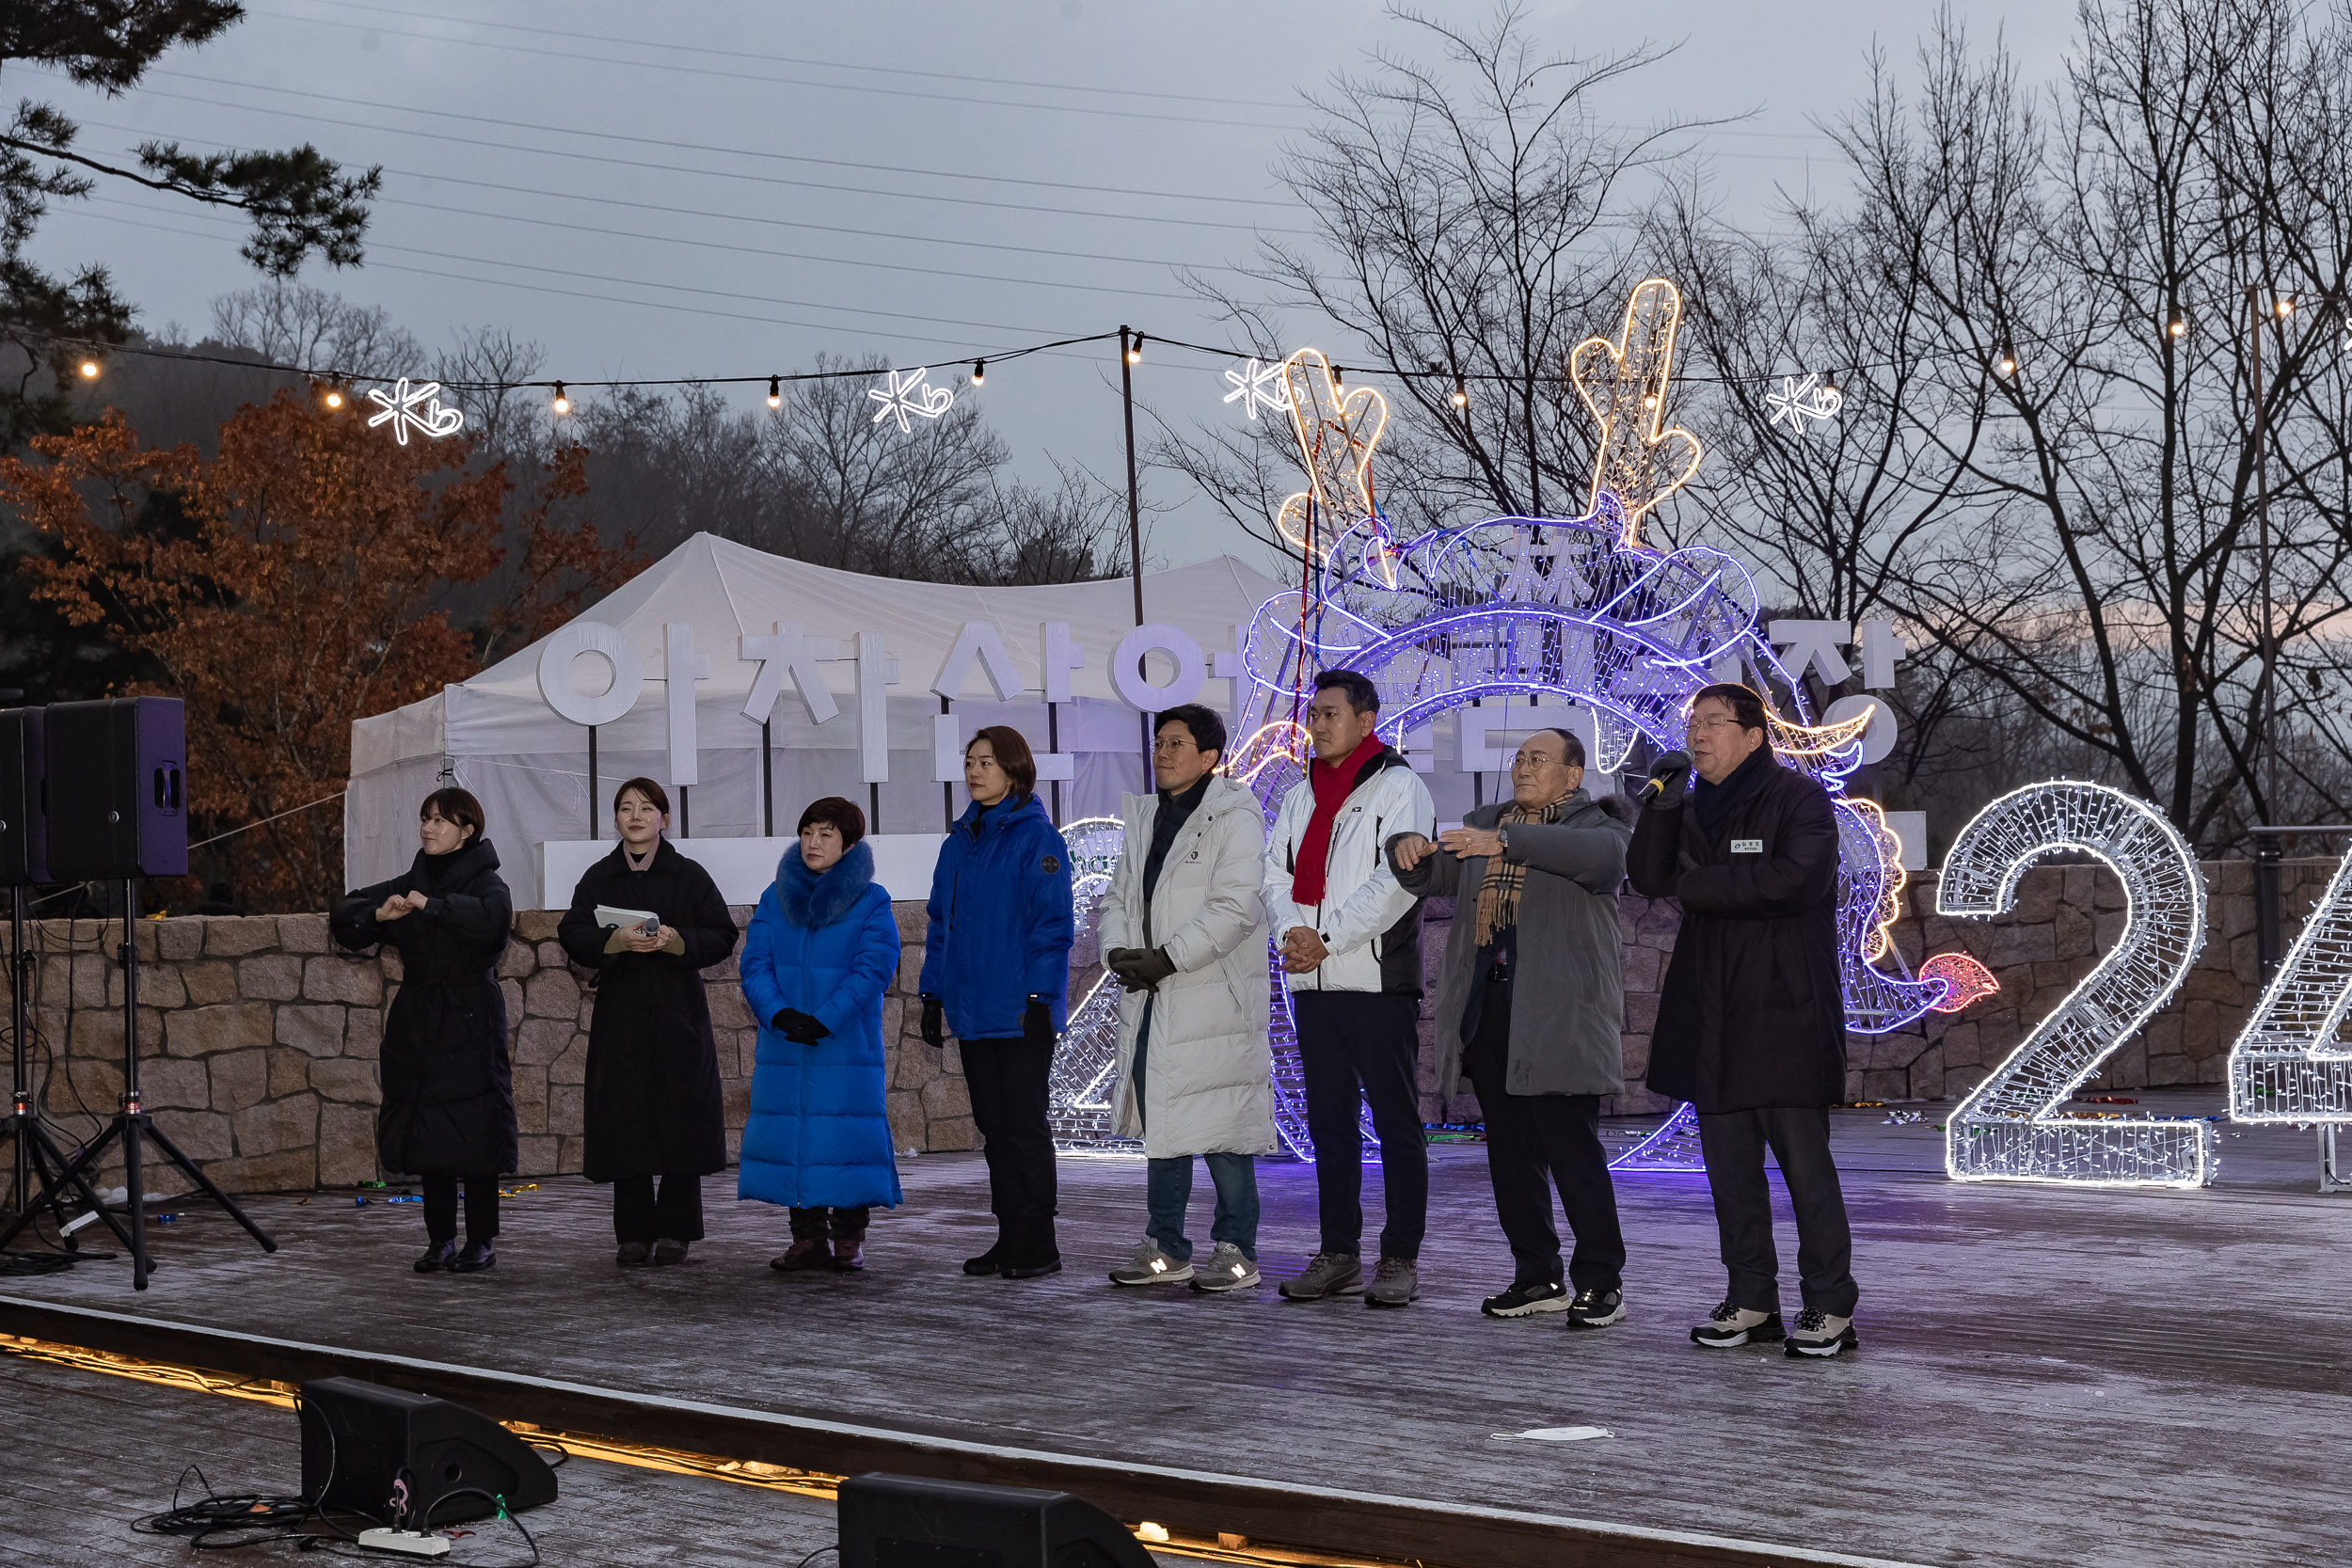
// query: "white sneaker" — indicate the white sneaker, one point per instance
point(1151, 1266)
point(1820, 1334)
point(1229, 1268)
point(1736, 1325)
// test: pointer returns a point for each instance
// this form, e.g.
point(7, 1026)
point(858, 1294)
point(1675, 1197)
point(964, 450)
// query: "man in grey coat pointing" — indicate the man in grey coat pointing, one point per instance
point(1530, 1006)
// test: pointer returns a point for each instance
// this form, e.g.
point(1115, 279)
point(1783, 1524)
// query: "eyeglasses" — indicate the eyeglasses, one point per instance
point(1168, 746)
point(1711, 725)
point(1538, 759)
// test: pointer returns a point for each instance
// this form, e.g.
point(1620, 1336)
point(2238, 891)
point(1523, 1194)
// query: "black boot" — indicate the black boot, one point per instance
point(992, 1261)
point(476, 1256)
point(438, 1256)
point(1033, 1254)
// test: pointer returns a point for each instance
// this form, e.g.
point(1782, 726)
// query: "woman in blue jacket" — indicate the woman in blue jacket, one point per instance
point(996, 975)
point(822, 949)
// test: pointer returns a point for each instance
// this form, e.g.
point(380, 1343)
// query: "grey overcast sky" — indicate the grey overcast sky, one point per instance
point(708, 188)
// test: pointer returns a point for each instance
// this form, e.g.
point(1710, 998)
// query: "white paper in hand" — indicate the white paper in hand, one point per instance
point(609, 917)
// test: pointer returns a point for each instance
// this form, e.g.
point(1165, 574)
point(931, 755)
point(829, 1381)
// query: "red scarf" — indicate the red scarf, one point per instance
point(1332, 784)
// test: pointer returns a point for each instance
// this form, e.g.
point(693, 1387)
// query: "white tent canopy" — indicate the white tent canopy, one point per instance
point(498, 736)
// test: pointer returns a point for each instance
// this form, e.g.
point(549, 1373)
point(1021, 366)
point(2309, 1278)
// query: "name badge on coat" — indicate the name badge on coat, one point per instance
point(1747, 846)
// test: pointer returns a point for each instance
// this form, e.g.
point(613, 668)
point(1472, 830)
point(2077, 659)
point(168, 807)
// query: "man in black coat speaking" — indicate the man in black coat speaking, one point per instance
point(1752, 1020)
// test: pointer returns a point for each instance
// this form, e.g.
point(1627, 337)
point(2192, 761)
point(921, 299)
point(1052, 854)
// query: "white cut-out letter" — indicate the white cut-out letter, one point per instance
point(1813, 643)
point(1127, 668)
point(1880, 649)
point(788, 653)
point(1878, 741)
point(874, 672)
point(682, 667)
point(555, 673)
point(978, 640)
point(1057, 659)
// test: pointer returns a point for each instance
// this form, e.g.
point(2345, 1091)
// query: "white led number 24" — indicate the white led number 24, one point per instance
point(2013, 1126)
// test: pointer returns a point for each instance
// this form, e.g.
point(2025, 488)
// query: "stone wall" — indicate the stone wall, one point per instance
point(259, 1038)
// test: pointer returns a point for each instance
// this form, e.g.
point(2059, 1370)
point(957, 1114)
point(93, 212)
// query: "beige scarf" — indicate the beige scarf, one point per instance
point(1499, 893)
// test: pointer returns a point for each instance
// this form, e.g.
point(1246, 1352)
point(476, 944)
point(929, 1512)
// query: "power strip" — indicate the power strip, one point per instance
point(409, 1543)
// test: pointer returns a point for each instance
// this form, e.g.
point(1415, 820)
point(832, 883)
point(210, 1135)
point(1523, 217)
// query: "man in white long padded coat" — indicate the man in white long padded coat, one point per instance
point(1182, 930)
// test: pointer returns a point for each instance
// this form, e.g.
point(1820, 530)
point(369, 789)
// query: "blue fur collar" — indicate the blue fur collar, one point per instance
point(811, 900)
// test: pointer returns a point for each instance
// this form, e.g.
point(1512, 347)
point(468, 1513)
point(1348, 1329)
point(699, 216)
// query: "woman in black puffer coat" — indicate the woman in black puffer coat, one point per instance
point(449, 1096)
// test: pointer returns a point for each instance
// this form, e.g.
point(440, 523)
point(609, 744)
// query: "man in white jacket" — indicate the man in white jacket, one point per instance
point(1182, 931)
point(1350, 939)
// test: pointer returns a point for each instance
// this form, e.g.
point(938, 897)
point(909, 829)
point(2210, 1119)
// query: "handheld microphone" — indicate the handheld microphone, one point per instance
point(1667, 770)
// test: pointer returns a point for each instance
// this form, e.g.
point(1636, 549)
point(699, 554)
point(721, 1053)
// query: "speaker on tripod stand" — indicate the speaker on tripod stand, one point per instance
point(117, 782)
point(23, 865)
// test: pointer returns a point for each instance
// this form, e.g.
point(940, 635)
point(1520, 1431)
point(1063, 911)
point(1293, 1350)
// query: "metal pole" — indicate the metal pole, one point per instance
point(767, 774)
point(2266, 695)
point(1135, 523)
point(591, 783)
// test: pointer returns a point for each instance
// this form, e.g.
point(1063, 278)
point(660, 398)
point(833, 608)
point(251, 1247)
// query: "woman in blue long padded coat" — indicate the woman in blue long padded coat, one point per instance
point(822, 949)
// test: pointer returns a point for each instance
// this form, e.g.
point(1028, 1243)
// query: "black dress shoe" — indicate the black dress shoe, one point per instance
point(667, 1253)
point(991, 1261)
point(474, 1259)
point(1032, 1268)
point(633, 1255)
point(437, 1258)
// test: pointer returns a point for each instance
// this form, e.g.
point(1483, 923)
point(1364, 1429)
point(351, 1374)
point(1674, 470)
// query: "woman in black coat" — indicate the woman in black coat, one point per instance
point(449, 1096)
point(654, 1106)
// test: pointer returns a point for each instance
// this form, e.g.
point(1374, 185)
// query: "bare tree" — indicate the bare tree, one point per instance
point(311, 328)
point(1472, 220)
point(484, 375)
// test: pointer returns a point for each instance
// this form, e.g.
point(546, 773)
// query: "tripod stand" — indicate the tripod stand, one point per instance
point(36, 1153)
point(130, 1124)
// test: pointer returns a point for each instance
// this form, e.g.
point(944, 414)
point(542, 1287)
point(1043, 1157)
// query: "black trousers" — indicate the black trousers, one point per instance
point(1734, 1144)
point(441, 1207)
point(1007, 1082)
point(815, 1225)
point(1529, 1136)
point(674, 1214)
point(1352, 1040)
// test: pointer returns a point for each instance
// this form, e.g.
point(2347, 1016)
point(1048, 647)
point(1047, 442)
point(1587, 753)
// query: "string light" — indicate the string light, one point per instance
point(979, 373)
point(2178, 324)
point(2286, 305)
point(334, 398)
point(1135, 350)
point(2011, 1127)
point(2008, 362)
point(775, 392)
point(1461, 394)
point(562, 404)
point(89, 370)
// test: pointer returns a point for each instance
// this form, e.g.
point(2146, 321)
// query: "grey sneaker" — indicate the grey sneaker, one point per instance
point(1395, 1282)
point(1329, 1274)
point(1819, 1333)
point(1229, 1268)
point(1730, 1325)
point(1151, 1266)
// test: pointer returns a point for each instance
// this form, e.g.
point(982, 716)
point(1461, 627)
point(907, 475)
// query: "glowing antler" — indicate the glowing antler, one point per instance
point(1624, 384)
point(1336, 434)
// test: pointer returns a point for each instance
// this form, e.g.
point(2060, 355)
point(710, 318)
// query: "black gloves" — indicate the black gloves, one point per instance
point(1036, 1024)
point(799, 1027)
point(1140, 968)
point(934, 1021)
point(1666, 776)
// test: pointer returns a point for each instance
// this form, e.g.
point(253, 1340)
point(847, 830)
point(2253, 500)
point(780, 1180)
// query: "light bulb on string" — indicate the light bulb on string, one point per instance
point(1338, 375)
point(562, 404)
point(1135, 350)
point(775, 392)
point(2007, 364)
point(1461, 393)
point(89, 370)
point(2285, 305)
point(979, 373)
point(334, 397)
point(2177, 324)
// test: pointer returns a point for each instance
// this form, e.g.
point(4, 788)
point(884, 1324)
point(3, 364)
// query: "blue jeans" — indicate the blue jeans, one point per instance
point(1167, 1187)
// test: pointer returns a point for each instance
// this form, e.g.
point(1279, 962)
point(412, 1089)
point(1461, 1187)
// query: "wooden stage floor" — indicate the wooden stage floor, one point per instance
point(2046, 1376)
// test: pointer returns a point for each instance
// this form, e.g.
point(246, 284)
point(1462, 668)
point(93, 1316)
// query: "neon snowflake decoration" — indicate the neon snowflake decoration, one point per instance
point(903, 394)
point(1258, 384)
point(416, 405)
point(1799, 401)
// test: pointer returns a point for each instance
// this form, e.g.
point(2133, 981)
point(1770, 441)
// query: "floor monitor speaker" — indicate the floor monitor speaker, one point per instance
point(908, 1522)
point(118, 789)
point(360, 1441)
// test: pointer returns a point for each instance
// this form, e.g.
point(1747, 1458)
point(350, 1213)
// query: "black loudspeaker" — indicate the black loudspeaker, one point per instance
point(118, 789)
point(906, 1521)
point(23, 825)
point(361, 1440)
